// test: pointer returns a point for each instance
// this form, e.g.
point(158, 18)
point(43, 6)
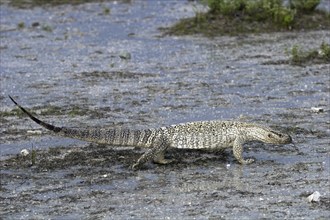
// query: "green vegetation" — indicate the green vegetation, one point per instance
point(47, 28)
point(40, 112)
point(306, 6)
point(21, 25)
point(249, 16)
point(256, 10)
point(50, 110)
point(301, 57)
point(106, 11)
point(76, 111)
point(14, 112)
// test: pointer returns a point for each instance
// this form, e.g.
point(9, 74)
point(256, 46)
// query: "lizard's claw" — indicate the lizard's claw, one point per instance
point(248, 161)
point(135, 166)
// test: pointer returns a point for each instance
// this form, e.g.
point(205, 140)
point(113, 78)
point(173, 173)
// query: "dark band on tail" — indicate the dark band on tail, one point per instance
point(43, 124)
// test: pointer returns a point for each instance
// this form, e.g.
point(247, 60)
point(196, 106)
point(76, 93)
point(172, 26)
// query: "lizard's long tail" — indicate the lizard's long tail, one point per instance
point(122, 137)
point(43, 124)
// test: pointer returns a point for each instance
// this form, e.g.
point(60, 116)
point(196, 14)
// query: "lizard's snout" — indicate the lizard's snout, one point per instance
point(288, 139)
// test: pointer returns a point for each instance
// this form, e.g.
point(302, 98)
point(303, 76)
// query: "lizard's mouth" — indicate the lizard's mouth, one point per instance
point(287, 140)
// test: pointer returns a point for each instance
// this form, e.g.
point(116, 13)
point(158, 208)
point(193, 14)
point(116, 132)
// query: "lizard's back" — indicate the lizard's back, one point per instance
point(203, 134)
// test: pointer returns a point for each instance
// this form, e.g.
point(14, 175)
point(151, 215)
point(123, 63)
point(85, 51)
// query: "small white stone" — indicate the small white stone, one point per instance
point(34, 131)
point(24, 152)
point(317, 109)
point(321, 52)
point(315, 197)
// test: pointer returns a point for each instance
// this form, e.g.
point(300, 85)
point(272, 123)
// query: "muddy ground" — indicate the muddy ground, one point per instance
point(79, 66)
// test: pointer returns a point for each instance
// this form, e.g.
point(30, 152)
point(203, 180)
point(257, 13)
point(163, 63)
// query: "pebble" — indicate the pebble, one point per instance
point(317, 109)
point(315, 197)
point(24, 152)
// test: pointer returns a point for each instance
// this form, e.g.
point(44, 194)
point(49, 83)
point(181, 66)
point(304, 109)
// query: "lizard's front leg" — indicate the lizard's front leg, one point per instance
point(238, 152)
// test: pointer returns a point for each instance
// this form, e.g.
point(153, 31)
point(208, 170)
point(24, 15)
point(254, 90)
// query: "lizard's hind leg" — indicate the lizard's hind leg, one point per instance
point(156, 153)
point(160, 159)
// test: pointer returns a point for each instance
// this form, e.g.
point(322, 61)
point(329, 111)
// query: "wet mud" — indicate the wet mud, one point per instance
point(97, 182)
point(92, 69)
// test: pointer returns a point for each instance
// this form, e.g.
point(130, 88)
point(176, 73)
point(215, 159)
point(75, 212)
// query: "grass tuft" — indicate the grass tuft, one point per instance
point(300, 57)
point(232, 17)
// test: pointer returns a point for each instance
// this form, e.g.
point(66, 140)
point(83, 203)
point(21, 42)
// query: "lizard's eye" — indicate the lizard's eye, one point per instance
point(270, 135)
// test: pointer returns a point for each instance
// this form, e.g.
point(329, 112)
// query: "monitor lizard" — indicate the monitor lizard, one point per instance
point(191, 135)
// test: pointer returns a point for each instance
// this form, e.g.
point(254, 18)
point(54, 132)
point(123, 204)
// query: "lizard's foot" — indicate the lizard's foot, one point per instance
point(135, 166)
point(247, 161)
point(163, 161)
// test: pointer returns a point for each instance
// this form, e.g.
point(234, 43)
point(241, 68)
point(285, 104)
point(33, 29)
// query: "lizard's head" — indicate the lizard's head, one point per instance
point(270, 136)
point(275, 137)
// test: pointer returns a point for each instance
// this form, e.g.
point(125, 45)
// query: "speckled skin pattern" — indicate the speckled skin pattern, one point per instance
point(191, 135)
